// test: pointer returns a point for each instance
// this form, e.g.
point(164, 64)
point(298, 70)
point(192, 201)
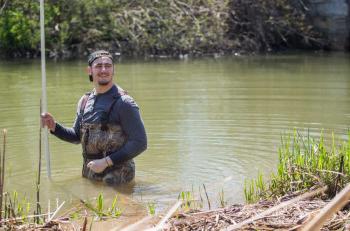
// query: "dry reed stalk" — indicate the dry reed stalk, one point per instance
point(337, 179)
point(206, 194)
point(48, 209)
point(38, 207)
point(276, 208)
point(5, 207)
point(2, 171)
point(1, 188)
point(85, 222)
point(340, 200)
point(11, 208)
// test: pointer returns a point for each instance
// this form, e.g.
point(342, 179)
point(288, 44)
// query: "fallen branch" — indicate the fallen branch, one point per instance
point(161, 224)
point(134, 226)
point(340, 200)
point(3, 7)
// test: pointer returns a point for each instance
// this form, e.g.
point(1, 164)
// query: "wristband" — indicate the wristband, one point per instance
point(107, 162)
point(110, 161)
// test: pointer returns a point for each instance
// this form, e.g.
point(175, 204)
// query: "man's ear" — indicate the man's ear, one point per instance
point(88, 70)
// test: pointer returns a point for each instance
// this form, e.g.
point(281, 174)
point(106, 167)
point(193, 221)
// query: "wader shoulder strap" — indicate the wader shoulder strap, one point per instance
point(116, 98)
point(83, 102)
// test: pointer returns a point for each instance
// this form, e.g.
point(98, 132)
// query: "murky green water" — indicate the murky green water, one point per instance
point(209, 121)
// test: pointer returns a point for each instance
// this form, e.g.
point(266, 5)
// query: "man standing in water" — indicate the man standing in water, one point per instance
point(108, 125)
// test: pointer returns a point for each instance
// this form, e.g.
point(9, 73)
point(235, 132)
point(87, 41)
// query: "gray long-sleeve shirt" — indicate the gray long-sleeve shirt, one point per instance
point(125, 112)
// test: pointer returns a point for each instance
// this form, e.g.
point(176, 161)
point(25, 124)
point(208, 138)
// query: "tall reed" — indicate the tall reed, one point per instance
point(304, 162)
point(206, 194)
point(222, 198)
point(38, 207)
point(2, 171)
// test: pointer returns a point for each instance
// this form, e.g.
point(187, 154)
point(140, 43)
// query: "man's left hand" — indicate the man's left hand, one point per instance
point(98, 165)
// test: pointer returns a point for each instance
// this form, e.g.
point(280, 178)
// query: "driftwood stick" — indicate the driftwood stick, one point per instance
point(162, 222)
point(338, 202)
point(134, 226)
point(276, 208)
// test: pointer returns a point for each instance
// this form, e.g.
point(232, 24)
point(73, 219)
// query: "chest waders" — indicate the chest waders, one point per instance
point(100, 140)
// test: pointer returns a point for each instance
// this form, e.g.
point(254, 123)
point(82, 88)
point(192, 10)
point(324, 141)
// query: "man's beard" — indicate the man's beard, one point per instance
point(103, 82)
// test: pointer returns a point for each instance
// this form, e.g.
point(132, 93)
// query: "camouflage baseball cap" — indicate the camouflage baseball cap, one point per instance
point(98, 54)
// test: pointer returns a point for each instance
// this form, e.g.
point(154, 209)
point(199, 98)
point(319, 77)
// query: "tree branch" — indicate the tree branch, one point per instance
point(3, 6)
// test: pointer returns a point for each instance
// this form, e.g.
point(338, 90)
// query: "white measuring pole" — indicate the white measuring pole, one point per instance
point(43, 88)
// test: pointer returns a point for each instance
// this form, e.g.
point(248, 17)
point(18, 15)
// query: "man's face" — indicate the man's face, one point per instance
point(102, 71)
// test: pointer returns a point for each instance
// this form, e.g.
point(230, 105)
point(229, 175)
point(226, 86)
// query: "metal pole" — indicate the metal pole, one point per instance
point(43, 87)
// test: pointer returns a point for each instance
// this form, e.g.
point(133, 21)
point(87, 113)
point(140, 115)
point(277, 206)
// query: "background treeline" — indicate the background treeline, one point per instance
point(157, 27)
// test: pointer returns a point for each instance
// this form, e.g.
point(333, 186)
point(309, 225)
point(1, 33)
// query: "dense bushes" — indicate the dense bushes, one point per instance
point(18, 25)
point(141, 27)
point(265, 25)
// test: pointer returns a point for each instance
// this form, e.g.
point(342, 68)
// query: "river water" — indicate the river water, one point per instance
point(209, 121)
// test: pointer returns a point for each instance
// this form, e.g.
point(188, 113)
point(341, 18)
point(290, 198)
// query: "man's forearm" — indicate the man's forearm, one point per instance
point(66, 134)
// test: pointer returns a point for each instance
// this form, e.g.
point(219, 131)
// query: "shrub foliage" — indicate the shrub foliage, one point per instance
point(140, 27)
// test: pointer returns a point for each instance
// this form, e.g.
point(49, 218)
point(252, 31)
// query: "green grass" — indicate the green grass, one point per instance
point(187, 199)
point(222, 198)
point(114, 210)
point(15, 207)
point(151, 207)
point(304, 162)
point(99, 208)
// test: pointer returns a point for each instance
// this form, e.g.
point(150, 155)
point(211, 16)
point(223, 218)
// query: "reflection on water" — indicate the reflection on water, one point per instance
point(216, 122)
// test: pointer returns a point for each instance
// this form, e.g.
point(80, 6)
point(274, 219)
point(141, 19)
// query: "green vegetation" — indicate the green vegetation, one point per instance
point(16, 208)
point(146, 28)
point(99, 209)
point(151, 206)
point(222, 198)
point(75, 215)
point(304, 163)
point(187, 200)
